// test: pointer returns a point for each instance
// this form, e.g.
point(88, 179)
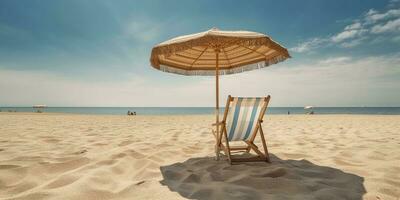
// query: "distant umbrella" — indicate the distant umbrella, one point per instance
point(308, 107)
point(39, 108)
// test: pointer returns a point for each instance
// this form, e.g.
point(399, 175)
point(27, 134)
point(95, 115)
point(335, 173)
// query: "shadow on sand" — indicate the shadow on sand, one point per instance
point(204, 178)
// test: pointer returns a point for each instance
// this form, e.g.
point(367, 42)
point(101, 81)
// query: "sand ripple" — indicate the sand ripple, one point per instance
point(58, 156)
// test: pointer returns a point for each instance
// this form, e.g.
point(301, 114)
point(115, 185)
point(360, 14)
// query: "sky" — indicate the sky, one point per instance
point(96, 52)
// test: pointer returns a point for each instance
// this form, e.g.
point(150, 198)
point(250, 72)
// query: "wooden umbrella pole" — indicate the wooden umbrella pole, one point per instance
point(217, 101)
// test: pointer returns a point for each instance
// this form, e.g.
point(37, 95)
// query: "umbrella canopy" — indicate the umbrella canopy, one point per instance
point(195, 54)
point(216, 52)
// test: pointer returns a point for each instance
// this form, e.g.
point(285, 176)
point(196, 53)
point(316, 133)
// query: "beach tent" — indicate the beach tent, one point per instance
point(216, 52)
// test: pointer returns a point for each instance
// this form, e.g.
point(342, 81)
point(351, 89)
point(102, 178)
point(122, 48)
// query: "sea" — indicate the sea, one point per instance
point(204, 110)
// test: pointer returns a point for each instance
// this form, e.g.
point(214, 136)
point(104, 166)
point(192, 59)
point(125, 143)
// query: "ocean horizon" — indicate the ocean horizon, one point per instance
point(204, 110)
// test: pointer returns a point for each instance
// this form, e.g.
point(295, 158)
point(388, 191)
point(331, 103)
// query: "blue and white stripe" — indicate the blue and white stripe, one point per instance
point(242, 117)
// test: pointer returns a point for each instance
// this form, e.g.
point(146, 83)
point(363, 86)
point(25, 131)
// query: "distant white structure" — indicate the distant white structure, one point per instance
point(309, 110)
point(39, 108)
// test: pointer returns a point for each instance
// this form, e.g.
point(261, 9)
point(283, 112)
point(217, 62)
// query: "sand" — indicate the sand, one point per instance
point(60, 156)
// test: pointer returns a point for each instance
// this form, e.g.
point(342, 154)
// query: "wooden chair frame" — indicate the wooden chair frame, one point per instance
point(249, 143)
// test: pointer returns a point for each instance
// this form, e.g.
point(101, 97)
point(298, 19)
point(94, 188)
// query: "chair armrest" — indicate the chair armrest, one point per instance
point(219, 123)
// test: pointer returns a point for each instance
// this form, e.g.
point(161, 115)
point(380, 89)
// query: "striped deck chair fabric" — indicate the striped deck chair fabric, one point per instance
point(242, 122)
point(242, 117)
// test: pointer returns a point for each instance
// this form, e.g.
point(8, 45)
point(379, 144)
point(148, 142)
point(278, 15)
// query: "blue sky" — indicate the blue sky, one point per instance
point(96, 53)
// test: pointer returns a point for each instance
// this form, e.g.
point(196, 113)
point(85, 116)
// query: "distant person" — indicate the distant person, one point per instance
point(134, 113)
point(129, 112)
point(288, 112)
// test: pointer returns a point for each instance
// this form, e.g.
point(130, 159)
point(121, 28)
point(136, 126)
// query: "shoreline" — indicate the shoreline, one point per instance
point(267, 114)
point(208, 110)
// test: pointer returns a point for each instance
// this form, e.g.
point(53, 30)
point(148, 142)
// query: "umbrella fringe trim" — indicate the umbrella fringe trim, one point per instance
point(236, 70)
point(170, 49)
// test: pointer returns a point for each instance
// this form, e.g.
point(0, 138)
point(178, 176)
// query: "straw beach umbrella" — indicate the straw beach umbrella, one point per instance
point(216, 52)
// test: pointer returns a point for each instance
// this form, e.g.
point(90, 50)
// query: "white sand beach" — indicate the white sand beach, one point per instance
point(61, 156)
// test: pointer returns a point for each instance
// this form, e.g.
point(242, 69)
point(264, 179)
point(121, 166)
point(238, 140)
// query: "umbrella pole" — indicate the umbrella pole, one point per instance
point(217, 102)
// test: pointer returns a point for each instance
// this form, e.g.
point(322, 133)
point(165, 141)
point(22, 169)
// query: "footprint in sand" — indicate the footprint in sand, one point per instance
point(118, 156)
point(62, 181)
point(274, 173)
point(340, 161)
point(8, 166)
point(22, 187)
point(135, 154)
point(51, 140)
point(124, 143)
point(65, 166)
point(106, 162)
point(80, 152)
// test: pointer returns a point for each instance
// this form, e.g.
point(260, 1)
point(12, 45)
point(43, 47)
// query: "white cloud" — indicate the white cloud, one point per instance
point(390, 26)
point(334, 81)
point(348, 34)
point(308, 45)
point(373, 16)
point(335, 60)
point(371, 12)
point(353, 43)
point(368, 26)
point(356, 25)
point(343, 39)
point(394, 3)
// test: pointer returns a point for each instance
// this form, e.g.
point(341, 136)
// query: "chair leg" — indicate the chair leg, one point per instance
point(216, 152)
point(248, 149)
point(228, 150)
point(252, 139)
point(255, 149)
point(264, 145)
point(217, 146)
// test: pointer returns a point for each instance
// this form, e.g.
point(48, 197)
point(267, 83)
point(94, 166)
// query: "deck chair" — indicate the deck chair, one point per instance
point(241, 122)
